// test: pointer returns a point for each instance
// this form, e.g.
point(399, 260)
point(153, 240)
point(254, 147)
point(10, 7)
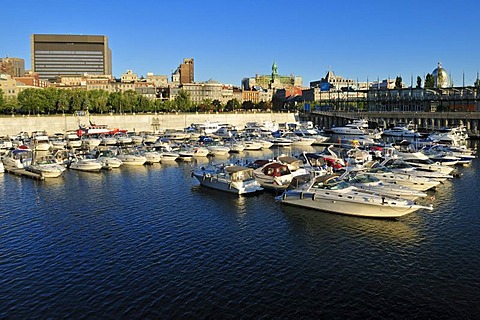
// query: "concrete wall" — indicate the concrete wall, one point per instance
point(52, 124)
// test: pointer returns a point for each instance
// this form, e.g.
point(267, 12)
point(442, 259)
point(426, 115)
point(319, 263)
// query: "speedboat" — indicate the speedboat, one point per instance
point(232, 179)
point(47, 167)
point(400, 166)
point(372, 184)
point(328, 193)
point(84, 164)
point(131, 157)
point(72, 140)
point(388, 176)
point(274, 175)
point(17, 159)
point(40, 141)
point(108, 159)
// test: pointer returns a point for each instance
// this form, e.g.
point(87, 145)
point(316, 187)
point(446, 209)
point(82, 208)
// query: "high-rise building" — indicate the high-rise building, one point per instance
point(56, 55)
point(186, 71)
point(15, 67)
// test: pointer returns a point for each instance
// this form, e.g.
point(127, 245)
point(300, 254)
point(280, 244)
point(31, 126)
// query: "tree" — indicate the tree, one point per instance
point(419, 82)
point(398, 82)
point(233, 105)
point(115, 101)
point(31, 101)
point(182, 101)
point(217, 105)
point(129, 101)
point(429, 81)
point(2, 100)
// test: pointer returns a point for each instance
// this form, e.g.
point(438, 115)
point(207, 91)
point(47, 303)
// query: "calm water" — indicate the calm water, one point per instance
point(151, 243)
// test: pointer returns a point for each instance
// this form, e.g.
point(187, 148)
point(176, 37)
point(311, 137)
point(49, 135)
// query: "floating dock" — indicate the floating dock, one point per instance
point(23, 172)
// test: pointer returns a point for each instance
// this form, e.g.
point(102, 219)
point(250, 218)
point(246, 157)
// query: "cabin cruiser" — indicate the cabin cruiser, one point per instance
point(131, 157)
point(232, 179)
point(72, 140)
point(40, 141)
point(46, 166)
point(370, 183)
point(17, 159)
point(411, 181)
point(83, 163)
point(400, 166)
point(401, 132)
point(329, 193)
point(274, 175)
point(108, 159)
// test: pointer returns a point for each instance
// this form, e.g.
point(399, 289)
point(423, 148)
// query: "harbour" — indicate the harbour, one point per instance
point(151, 242)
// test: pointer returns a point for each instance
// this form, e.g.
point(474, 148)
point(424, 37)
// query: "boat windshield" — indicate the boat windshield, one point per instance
point(363, 178)
point(330, 184)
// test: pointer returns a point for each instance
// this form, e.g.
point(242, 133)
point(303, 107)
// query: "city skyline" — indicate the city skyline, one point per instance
point(230, 42)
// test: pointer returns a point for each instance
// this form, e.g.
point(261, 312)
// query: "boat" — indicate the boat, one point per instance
point(72, 140)
point(218, 150)
point(131, 157)
point(400, 166)
point(329, 193)
point(371, 184)
point(401, 132)
point(17, 159)
point(348, 130)
point(40, 141)
point(108, 159)
point(232, 178)
point(274, 175)
point(83, 163)
point(46, 166)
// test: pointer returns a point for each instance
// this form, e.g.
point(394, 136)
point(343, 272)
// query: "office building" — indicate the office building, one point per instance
point(68, 55)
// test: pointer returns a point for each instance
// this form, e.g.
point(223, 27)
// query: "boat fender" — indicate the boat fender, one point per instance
point(383, 200)
point(301, 195)
point(191, 174)
point(313, 196)
point(203, 177)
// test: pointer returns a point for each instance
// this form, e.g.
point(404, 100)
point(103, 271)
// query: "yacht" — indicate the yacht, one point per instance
point(40, 141)
point(46, 166)
point(401, 132)
point(232, 179)
point(329, 193)
point(274, 175)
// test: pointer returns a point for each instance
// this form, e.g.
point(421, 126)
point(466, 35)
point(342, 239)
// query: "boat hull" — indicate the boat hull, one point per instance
point(335, 204)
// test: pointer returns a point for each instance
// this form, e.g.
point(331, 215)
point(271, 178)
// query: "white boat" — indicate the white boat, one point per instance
point(372, 184)
point(72, 140)
point(123, 138)
point(46, 166)
point(315, 134)
point(108, 140)
point(131, 157)
point(298, 141)
point(251, 145)
point(387, 176)
point(348, 130)
point(17, 159)
point(401, 132)
point(327, 193)
point(108, 159)
point(232, 179)
point(152, 156)
point(40, 141)
point(90, 141)
point(274, 175)
point(400, 166)
point(84, 164)
point(281, 142)
point(218, 150)
point(422, 162)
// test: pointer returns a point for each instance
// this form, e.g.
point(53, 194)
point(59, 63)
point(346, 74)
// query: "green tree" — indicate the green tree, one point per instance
point(233, 105)
point(77, 99)
point(31, 101)
point(429, 81)
point(217, 105)
point(398, 82)
point(2, 99)
point(419, 82)
point(182, 101)
point(144, 104)
point(50, 97)
point(115, 101)
point(63, 101)
point(129, 101)
point(10, 105)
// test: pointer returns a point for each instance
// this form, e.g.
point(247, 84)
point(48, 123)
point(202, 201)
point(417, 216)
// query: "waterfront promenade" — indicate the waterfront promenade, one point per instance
point(11, 125)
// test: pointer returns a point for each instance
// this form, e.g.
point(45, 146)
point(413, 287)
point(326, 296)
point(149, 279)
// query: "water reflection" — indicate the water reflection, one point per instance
point(318, 224)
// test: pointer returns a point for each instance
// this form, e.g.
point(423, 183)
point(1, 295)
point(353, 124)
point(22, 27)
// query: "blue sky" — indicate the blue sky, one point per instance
point(233, 40)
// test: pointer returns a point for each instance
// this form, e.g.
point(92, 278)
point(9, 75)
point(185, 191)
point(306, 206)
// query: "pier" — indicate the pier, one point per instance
point(25, 173)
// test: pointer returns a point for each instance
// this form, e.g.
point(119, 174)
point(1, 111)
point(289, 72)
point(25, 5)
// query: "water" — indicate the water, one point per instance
point(149, 242)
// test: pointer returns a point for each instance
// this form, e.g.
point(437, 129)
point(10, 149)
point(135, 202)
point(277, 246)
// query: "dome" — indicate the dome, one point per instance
point(440, 77)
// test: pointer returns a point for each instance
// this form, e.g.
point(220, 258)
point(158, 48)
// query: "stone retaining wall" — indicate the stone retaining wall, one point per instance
point(12, 125)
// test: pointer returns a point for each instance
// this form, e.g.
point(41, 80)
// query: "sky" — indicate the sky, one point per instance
point(232, 40)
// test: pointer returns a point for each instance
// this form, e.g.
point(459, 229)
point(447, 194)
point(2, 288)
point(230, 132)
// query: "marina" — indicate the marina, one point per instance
point(151, 241)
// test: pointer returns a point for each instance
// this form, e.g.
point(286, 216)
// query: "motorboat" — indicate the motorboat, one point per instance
point(329, 193)
point(17, 159)
point(152, 156)
point(46, 166)
point(108, 159)
point(167, 154)
point(233, 179)
point(72, 140)
point(348, 130)
point(388, 176)
point(298, 140)
point(274, 175)
point(251, 145)
point(123, 138)
point(400, 166)
point(317, 135)
point(131, 157)
point(40, 141)
point(371, 184)
point(422, 162)
point(401, 132)
point(83, 163)
point(218, 150)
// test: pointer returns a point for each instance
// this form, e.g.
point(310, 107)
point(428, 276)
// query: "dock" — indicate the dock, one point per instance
point(26, 173)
